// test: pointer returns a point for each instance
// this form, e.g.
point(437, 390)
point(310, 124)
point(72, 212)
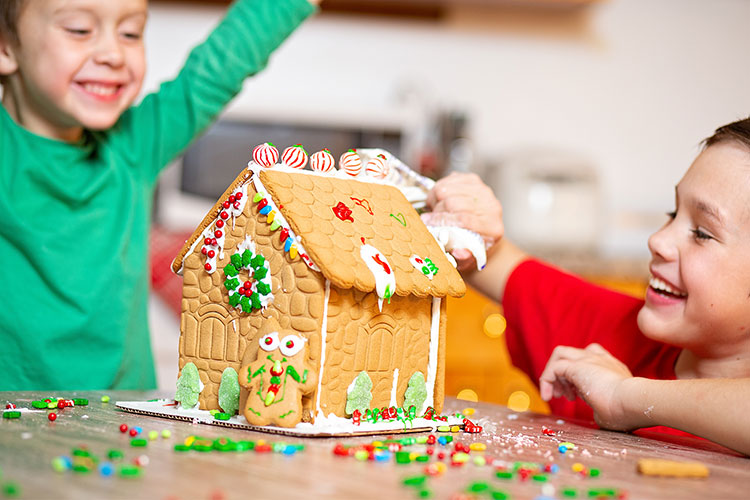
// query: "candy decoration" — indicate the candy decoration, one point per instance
point(343, 212)
point(266, 154)
point(294, 156)
point(322, 161)
point(351, 163)
point(248, 295)
point(378, 167)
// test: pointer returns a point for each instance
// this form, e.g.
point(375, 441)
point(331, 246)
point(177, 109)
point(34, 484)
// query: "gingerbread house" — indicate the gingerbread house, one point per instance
point(340, 257)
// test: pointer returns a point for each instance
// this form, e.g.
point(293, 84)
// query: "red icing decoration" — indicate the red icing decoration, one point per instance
point(387, 269)
point(362, 203)
point(343, 212)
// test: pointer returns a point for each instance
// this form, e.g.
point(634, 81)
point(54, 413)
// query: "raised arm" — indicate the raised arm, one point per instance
point(464, 200)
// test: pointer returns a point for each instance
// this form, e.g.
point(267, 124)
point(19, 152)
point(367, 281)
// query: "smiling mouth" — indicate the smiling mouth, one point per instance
point(100, 89)
point(663, 288)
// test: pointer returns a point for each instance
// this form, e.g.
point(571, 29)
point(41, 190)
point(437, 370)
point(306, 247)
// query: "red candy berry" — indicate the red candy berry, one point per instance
point(204, 251)
point(123, 428)
point(133, 432)
point(218, 233)
point(207, 267)
point(60, 404)
point(211, 254)
point(226, 204)
point(232, 198)
point(52, 416)
point(219, 223)
point(238, 196)
point(248, 285)
point(224, 215)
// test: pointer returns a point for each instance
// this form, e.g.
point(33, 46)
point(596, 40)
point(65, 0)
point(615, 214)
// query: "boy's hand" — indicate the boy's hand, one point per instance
point(464, 200)
point(594, 375)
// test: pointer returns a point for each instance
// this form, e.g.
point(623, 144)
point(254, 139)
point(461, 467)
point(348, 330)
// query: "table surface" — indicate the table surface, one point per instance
point(29, 444)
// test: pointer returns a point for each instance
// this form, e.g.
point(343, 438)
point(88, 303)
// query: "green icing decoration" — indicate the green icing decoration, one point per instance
point(230, 270)
point(358, 397)
point(229, 391)
point(416, 392)
point(236, 260)
point(188, 386)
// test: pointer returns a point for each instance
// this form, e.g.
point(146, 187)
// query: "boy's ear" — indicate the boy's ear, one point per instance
point(8, 61)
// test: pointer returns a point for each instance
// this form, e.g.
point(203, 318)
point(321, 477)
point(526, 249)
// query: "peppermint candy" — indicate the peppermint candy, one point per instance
point(294, 156)
point(351, 163)
point(265, 155)
point(322, 161)
point(378, 167)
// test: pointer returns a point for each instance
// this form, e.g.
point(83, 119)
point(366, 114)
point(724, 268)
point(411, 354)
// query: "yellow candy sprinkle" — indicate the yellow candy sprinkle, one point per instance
point(271, 216)
point(166, 433)
point(413, 455)
point(577, 467)
point(293, 252)
point(477, 446)
point(189, 440)
point(443, 428)
point(568, 445)
point(455, 428)
point(461, 457)
point(440, 467)
point(153, 435)
point(377, 444)
point(260, 442)
point(480, 461)
point(468, 411)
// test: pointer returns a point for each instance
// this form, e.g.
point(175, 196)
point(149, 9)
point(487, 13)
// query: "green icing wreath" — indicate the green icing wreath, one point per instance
point(239, 295)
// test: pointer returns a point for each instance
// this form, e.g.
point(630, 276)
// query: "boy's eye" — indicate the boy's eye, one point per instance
point(132, 35)
point(700, 235)
point(78, 31)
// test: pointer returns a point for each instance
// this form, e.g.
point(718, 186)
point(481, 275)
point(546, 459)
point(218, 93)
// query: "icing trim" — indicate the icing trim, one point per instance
point(323, 333)
point(393, 388)
point(433, 358)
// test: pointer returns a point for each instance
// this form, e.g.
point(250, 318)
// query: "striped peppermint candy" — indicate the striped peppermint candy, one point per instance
point(294, 156)
point(351, 163)
point(378, 167)
point(265, 154)
point(322, 161)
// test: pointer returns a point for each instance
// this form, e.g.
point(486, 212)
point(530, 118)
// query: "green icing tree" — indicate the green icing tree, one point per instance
point(229, 391)
point(188, 386)
point(416, 392)
point(358, 396)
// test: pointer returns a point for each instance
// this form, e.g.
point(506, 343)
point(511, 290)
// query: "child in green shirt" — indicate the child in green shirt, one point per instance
point(79, 168)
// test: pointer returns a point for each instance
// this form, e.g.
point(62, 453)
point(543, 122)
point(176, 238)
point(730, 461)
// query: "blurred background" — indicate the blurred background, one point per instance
point(582, 115)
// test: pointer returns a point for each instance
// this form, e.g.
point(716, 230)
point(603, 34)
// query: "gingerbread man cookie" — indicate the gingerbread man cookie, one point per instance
point(277, 377)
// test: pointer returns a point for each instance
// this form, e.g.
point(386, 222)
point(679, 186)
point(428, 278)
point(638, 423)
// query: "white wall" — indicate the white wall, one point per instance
point(650, 79)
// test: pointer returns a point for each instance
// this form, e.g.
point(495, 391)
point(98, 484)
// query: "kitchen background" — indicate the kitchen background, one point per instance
point(582, 116)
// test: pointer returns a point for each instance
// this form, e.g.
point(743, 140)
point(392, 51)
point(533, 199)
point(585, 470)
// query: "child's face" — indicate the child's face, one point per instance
point(703, 256)
point(80, 63)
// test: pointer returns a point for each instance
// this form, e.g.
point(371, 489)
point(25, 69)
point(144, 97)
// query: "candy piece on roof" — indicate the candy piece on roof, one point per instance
point(266, 154)
point(322, 161)
point(377, 167)
point(294, 156)
point(351, 163)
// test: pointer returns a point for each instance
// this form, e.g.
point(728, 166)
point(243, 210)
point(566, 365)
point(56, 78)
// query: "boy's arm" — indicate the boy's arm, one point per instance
point(464, 200)
point(167, 121)
point(709, 408)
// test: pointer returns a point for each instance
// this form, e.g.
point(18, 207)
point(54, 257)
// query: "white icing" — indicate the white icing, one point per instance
point(393, 388)
point(453, 237)
point(323, 333)
point(433, 358)
point(385, 279)
point(323, 425)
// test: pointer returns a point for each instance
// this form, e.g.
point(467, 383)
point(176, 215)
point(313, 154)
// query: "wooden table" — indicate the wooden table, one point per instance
point(29, 444)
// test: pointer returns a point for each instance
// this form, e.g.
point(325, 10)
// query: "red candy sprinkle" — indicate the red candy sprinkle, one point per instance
point(60, 404)
point(133, 432)
point(52, 416)
point(123, 428)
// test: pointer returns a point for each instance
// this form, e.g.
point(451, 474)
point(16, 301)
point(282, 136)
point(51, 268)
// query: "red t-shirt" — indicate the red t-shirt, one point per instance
point(545, 307)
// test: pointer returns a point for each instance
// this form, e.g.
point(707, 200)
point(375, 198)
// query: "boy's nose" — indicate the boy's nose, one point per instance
point(109, 51)
point(661, 244)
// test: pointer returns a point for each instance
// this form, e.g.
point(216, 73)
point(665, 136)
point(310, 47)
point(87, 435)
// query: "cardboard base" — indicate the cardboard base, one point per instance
point(330, 427)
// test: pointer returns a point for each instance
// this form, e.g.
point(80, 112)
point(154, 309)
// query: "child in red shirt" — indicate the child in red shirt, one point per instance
point(681, 357)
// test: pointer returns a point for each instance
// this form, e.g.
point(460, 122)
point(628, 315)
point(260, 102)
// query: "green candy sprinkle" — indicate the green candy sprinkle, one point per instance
point(129, 471)
point(11, 414)
point(498, 495)
point(415, 480)
point(115, 454)
point(11, 489)
point(105, 399)
point(181, 447)
point(83, 401)
point(478, 486)
point(39, 404)
point(501, 474)
point(138, 442)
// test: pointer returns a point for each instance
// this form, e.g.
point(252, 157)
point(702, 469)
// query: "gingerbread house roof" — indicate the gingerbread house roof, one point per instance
point(334, 217)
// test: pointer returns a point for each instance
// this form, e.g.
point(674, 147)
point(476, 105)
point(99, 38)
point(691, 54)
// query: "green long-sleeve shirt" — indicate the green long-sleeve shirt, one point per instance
point(74, 218)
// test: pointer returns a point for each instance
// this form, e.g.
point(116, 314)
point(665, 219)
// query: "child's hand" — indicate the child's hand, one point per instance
point(594, 375)
point(464, 200)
